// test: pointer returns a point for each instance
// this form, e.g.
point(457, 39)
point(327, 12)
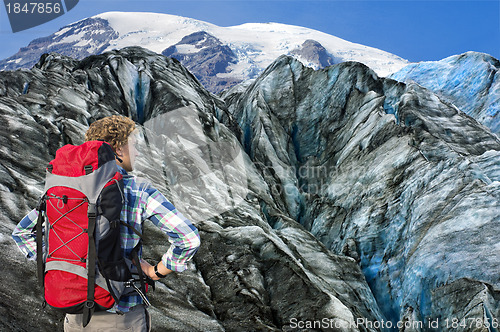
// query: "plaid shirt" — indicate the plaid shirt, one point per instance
point(142, 202)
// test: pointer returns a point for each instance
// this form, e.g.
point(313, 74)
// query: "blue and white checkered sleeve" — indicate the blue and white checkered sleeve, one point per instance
point(183, 235)
point(25, 235)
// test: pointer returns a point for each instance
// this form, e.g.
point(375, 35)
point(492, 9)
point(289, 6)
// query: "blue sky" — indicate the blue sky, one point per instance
point(415, 30)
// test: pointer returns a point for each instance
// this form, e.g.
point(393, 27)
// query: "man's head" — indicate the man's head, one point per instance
point(115, 130)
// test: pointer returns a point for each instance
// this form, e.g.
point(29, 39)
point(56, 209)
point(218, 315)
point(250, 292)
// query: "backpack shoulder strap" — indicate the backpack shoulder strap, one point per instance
point(135, 259)
point(39, 240)
point(89, 307)
point(139, 234)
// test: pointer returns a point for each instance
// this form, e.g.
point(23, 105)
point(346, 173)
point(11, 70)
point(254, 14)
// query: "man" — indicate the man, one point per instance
point(142, 202)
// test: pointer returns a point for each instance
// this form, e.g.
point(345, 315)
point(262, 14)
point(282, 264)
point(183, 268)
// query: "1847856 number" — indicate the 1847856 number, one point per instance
point(33, 7)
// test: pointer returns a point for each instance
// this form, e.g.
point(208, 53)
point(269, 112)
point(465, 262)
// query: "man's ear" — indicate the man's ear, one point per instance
point(119, 151)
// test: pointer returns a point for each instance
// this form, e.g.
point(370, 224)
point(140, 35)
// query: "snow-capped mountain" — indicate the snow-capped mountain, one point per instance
point(218, 56)
point(470, 81)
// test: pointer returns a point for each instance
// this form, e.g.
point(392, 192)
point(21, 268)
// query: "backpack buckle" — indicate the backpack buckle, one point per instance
point(88, 169)
point(91, 212)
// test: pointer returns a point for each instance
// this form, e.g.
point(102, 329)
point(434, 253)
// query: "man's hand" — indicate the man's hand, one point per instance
point(149, 269)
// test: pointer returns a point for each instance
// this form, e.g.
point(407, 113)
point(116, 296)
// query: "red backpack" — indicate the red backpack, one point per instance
point(82, 268)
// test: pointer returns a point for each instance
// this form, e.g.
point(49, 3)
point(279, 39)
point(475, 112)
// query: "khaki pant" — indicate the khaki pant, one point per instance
point(136, 320)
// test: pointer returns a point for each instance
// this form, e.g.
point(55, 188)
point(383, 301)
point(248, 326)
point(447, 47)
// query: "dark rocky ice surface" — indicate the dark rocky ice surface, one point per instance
point(330, 196)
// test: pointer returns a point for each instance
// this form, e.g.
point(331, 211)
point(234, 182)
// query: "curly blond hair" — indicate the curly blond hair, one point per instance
point(114, 129)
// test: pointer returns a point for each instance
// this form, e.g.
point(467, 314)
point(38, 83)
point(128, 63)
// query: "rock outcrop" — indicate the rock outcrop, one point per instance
point(207, 57)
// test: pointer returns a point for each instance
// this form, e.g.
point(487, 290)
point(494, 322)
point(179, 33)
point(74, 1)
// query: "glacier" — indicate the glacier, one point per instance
point(319, 194)
point(411, 187)
point(236, 279)
point(469, 81)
